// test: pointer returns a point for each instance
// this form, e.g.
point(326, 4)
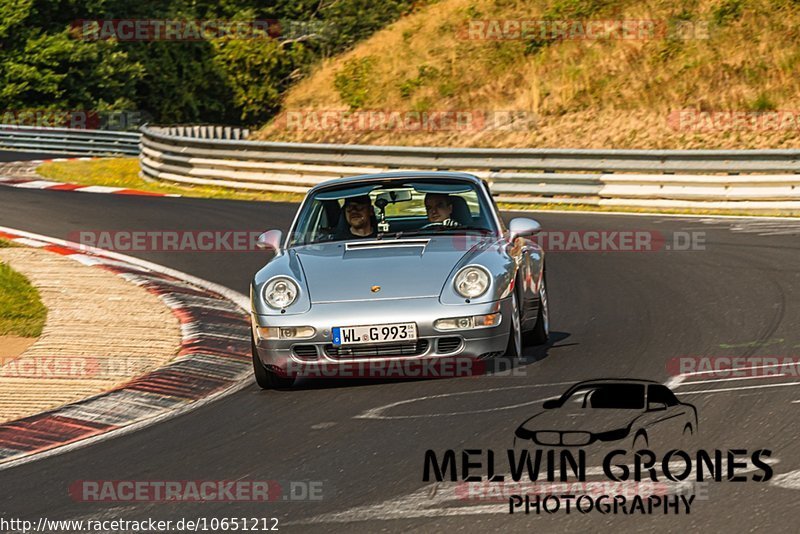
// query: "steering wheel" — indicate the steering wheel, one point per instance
point(432, 225)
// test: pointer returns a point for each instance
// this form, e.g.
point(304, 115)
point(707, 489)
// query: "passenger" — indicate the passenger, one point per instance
point(360, 216)
point(439, 208)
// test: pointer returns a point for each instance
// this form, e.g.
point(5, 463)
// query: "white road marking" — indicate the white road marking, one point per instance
point(99, 189)
point(431, 500)
point(675, 381)
point(722, 390)
point(377, 413)
point(38, 184)
point(733, 378)
point(732, 369)
point(85, 259)
point(790, 480)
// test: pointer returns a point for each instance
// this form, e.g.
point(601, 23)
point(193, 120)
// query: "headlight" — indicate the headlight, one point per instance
point(280, 293)
point(467, 323)
point(286, 332)
point(471, 282)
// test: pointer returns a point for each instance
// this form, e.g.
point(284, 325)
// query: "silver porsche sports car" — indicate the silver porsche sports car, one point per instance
point(396, 267)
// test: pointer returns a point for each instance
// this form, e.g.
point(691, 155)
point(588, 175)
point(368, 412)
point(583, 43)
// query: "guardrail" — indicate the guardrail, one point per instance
point(69, 141)
point(713, 179)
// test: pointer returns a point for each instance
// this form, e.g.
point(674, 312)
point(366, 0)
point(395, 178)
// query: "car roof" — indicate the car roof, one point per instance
point(461, 176)
point(607, 381)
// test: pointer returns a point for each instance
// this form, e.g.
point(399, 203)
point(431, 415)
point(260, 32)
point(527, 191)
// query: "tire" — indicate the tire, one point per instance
point(514, 347)
point(541, 331)
point(266, 379)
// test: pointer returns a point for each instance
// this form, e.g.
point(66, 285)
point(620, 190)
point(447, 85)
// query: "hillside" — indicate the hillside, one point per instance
point(699, 74)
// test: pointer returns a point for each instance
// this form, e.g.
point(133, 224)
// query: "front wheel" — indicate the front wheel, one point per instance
point(514, 348)
point(541, 331)
point(267, 379)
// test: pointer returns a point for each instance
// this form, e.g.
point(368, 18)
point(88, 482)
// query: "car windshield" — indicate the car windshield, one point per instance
point(393, 209)
point(607, 396)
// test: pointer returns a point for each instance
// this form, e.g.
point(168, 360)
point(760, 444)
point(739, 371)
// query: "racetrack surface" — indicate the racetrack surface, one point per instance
point(614, 314)
point(10, 155)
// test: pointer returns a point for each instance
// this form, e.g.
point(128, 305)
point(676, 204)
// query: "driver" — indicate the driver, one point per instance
point(359, 213)
point(439, 207)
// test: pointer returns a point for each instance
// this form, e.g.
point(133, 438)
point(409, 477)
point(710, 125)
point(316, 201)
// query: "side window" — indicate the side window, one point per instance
point(662, 394)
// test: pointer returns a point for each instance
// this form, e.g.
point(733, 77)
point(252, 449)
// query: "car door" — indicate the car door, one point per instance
point(667, 417)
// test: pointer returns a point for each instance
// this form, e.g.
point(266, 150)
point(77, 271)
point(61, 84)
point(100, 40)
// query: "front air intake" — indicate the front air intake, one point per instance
point(446, 345)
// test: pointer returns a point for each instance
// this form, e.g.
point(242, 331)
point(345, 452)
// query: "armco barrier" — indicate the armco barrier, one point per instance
point(223, 156)
point(69, 141)
point(713, 179)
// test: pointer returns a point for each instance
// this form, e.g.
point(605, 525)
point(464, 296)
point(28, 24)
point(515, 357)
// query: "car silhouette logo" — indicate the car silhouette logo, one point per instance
point(375, 289)
point(607, 410)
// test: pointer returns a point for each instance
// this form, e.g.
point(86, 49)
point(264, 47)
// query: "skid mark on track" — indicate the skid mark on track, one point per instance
point(378, 413)
point(746, 226)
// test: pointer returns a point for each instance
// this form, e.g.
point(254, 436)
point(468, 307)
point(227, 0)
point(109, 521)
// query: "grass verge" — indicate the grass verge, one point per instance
point(124, 172)
point(21, 310)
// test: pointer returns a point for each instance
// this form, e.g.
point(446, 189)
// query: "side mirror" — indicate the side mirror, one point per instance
point(549, 405)
point(522, 226)
point(270, 240)
point(656, 406)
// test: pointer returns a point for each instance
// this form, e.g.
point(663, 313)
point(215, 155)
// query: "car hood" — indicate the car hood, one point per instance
point(583, 420)
point(402, 268)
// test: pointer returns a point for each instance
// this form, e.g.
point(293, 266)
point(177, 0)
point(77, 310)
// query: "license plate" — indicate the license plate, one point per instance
point(380, 333)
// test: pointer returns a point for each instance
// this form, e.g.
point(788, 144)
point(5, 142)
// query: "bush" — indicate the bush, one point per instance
point(353, 81)
point(46, 66)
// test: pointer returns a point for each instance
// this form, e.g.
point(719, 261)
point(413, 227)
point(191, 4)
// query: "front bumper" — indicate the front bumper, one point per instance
point(285, 355)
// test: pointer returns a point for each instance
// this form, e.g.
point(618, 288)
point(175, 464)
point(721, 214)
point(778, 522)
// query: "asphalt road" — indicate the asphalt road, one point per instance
point(614, 314)
point(9, 155)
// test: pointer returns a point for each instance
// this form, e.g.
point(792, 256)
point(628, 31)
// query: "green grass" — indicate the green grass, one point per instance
point(124, 172)
point(21, 310)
